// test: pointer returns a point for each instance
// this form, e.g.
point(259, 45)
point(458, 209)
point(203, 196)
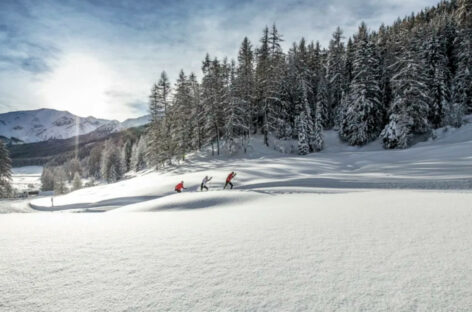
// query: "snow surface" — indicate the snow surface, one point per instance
point(348, 229)
point(349, 251)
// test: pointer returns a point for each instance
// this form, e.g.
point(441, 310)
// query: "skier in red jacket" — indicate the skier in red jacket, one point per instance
point(179, 187)
point(228, 180)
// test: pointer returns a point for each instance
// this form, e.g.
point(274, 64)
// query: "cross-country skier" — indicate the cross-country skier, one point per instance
point(228, 180)
point(179, 187)
point(205, 180)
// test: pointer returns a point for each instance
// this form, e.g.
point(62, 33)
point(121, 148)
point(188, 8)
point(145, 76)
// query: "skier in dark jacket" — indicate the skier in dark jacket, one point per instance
point(179, 187)
point(228, 180)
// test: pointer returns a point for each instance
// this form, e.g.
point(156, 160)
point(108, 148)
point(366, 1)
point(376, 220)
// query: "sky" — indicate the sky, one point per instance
point(101, 57)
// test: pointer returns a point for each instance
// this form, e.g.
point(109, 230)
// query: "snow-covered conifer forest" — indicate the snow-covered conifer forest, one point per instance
point(396, 83)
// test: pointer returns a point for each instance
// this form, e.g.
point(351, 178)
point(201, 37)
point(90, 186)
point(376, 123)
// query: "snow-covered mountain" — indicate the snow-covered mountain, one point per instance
point(45, 124)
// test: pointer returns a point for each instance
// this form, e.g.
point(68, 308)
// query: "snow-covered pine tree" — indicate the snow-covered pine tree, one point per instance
point(111, 166)
point(236, 125)
point(290, 95)
point(269, 69)
point(313, 63)
point(71, 167)
point(362, 118)
point(335, 75)
point(138, 156)
point(94, 162)
point(306, 118)
point(317, 141)
point(182, 131)
point(160, 145)
point(197, 113)
point(213, 97)
point(76, 182)
point(262, 80)
point(154, 107)
point(47, 179)
point(263, 85)
point(382, 40)
point(453, 112)
point(438, 74)
point(126, 154)
point(244, 83)
point(348, 65)
point(462, 92)
point(274, 109)
point(60, 180)
point(163, 97)
point(408, 115)
point(5, 171)
point(322, 101)
point(305, 73)
point(302, 125)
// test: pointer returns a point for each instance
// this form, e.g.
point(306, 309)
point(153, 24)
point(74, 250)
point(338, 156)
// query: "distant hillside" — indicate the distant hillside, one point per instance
point(49, 124)
point(60, 150)
point(11, 141)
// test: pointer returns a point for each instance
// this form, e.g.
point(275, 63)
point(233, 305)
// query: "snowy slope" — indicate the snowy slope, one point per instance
point(44, 124)
point(442, 164)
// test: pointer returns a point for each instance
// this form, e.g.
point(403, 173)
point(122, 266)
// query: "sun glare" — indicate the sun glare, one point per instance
point(79, 85)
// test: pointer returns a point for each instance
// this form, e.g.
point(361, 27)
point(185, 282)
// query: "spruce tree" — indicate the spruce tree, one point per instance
point(462, 91)
point(303, 146)
point(335, 76)
point(94, 162)
point(111, 164)
point(160, 146)
point(362, 117)
point(322, 101)
point(410, 108)
point(317, 141)
point(235, 116)
point(138, 158)
point(5, 171)
point(438, 77)
point(47, 179)
point(60, 180)
point(213, 98)
point(76, 182)
point(197, 114)
point(182, 108)
point(244, 84)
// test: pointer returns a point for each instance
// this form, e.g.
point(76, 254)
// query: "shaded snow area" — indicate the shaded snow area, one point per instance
point(347, 229)
point(355, 251)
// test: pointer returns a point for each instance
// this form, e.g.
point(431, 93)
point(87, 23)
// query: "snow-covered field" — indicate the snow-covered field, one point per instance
point(349, 251)
point(27, 178)
point(348, 229)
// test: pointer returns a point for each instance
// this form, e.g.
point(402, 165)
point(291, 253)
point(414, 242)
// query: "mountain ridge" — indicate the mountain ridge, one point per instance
point(30, 126)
